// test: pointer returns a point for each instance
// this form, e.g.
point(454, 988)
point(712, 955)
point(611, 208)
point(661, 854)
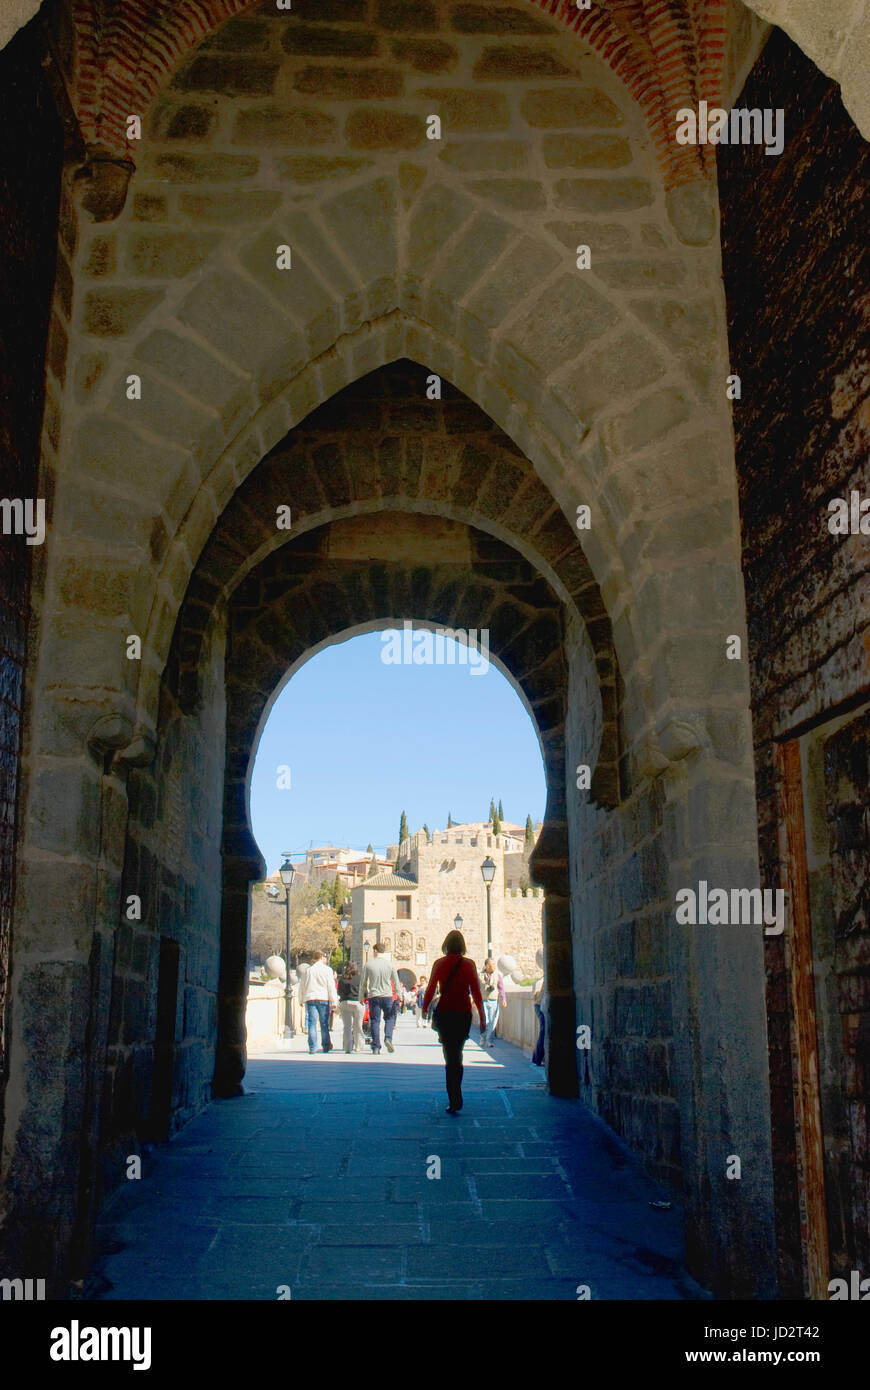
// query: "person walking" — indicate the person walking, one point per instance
point(380, 983)
point(351, 1009)
point(494, 998)
point(318, 993)
point(419, 1013)
point(456, 978)
point(540, 1010)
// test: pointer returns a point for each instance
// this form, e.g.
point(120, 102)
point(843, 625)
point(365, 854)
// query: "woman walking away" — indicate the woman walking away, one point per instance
point(351, 1009)
point(494, 998)
point(456, 977)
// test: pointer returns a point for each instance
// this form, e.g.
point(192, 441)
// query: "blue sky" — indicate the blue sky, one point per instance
point(364, 741)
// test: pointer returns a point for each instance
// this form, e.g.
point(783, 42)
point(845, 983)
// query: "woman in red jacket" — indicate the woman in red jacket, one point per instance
point(456, 976)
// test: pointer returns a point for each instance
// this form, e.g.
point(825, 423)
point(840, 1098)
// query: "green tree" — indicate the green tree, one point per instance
point(492, 811)
point(530, 831)
point(496, 824)
point(427, 832)
point(500, 810)
point(369, 849)
point(449, 820)
point(403, 828)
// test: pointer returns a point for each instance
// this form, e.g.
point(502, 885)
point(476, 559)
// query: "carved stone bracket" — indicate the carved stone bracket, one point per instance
point(113, 737)
point(102, 183)
point(676, 740)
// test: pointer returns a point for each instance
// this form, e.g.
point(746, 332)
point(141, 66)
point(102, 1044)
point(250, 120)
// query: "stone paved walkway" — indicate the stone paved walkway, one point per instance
point(316, 1180)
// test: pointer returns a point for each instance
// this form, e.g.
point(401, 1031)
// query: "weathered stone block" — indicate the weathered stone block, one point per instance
point(478, 156)
point(229, 75)
point(600, 237)
point(603, 195)
point(508, 64)
point(426, 55)
point(462, 108)
point(189, 122)
point(586, 151)
point(566, 315)
point(604, 378)
point(275, 125)
point(229, 310)
point(194, 369)
point(112, 313)
point(406, 14)
point(204, 168)
point(654, 417)
point(520, 195)
point(525, 265)
point(626, 274)
point(373, 129)
point(252, 205)
point(101, 257)
point(492, 19)
point(349, 84)
point(574, 106)
point(322, 42)
point(318, 168)
point(239, 36)
point(440, 212)
point(149, 207)
point(167, 255)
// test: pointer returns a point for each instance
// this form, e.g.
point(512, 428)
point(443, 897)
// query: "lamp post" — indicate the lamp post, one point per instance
point(288, 873)
point(457, 921)
point(487, 869)
point(344, 923)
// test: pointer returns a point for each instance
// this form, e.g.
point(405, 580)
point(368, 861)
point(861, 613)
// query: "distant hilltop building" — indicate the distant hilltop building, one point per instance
point(325, 862)
point(411, 906)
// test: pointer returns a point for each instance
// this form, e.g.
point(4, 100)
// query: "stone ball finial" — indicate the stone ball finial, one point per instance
point(274, 968)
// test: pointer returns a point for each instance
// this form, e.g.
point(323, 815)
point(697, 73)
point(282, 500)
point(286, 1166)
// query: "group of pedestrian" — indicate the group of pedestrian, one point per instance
point(379, 991)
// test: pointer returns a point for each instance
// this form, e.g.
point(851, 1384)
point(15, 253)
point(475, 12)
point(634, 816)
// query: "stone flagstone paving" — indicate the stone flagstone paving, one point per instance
point(316, 1180)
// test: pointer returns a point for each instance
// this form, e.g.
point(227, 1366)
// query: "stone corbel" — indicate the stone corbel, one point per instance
point(112, 737)
point(102, 183)
point(675, 741)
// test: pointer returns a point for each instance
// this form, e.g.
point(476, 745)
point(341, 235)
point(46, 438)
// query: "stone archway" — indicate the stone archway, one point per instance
point(606, 390)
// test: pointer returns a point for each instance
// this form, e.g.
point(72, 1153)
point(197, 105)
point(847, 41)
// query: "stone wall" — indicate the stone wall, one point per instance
point(173, 864)
point(522, 929)
point(623, 922)
point(797, 273)
point(28, 235)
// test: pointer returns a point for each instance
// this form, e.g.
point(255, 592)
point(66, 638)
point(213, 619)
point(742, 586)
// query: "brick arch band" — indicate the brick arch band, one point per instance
point(668, 54)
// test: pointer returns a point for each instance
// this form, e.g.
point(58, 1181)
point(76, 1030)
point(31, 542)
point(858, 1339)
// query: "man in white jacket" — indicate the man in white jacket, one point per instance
point(318, 993)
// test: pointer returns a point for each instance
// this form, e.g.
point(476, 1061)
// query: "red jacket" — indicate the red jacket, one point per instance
point(462, 989)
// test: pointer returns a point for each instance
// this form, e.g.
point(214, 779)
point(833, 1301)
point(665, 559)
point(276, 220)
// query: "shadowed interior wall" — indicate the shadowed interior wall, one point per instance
point(797, 274)
point(28, 234)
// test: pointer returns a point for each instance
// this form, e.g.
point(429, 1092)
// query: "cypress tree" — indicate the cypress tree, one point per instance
point(403, 828)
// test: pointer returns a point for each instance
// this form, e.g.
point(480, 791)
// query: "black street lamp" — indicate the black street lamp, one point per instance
point(344, 923)
point(487, 869)
point(457, 921)
point(288, 873)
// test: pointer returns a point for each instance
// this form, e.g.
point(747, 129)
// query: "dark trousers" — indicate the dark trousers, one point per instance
point(382, 1004)
point(453, 1029)
point(538, 1054)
